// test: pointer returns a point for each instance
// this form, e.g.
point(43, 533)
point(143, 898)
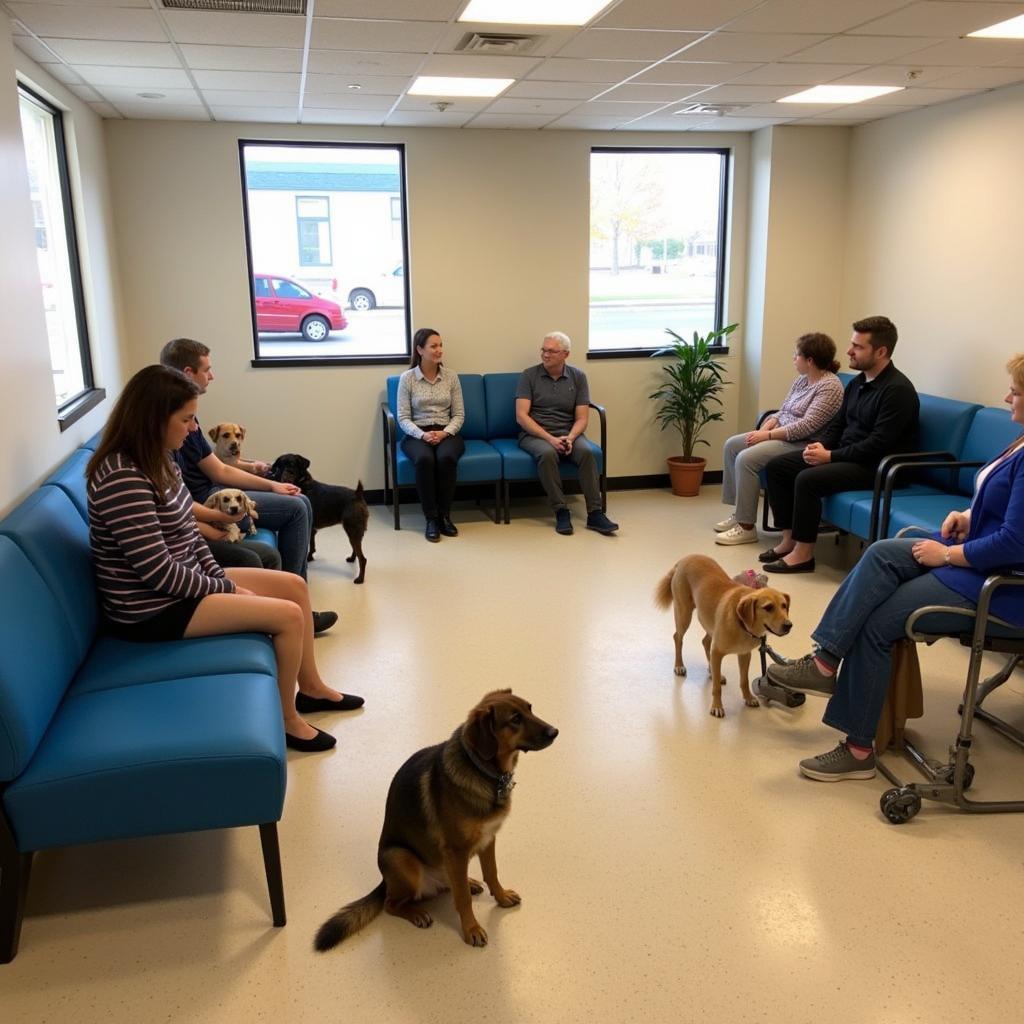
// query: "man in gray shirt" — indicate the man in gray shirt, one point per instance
point(552, 409)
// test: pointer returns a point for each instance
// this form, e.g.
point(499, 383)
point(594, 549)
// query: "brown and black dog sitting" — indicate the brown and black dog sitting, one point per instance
point(734, 617)
point(331, 505)
point(444, 806)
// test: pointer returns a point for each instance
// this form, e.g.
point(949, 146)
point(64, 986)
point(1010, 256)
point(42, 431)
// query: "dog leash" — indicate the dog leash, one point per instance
point(504, 780)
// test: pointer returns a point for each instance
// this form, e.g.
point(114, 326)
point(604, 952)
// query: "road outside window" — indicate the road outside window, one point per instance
point(657, 231)
point(326, 232)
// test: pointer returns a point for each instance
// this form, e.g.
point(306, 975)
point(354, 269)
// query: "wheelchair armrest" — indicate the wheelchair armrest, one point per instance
point(980, 614)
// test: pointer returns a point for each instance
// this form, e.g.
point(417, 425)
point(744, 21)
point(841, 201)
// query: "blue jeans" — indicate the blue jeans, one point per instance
point(291, 518)
point(862, 622)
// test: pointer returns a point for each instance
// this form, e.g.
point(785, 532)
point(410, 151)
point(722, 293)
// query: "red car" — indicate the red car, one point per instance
point(284, 306)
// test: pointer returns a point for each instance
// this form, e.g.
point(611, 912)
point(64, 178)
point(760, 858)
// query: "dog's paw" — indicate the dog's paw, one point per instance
point(680, 670)
point(752, 702)
point(475, 887)
point(718, 712)
point(421, 918)
point(350, 559)
point(474, 935)
point(508, 898)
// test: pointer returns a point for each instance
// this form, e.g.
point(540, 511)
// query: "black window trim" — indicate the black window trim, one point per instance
point(75, 407)
point(264, 362)
point(723, 219)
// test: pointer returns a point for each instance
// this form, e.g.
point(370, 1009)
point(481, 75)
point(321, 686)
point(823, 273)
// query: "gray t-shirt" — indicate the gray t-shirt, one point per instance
point(553, 402)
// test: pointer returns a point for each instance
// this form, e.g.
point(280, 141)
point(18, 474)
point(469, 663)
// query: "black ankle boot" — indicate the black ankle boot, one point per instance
point(433, 531)
point(448, 528)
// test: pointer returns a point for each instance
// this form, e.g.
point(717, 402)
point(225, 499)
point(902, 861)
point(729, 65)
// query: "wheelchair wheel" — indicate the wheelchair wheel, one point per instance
point(899, 805)
point(948, 772)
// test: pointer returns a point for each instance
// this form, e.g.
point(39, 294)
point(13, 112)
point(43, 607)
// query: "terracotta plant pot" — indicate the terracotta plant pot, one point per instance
point(685, 474)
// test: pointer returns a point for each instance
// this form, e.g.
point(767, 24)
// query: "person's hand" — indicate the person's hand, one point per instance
point(434, 436)
point(279, 488)
point(261, 468)
point(567, 443)
point(757, 436)
point(955, 527)
point(244, 591)
point(770, 423)
point(224, 519)
point(930, 553)
point(558, 443)
point(211, 531)
point(816, 454)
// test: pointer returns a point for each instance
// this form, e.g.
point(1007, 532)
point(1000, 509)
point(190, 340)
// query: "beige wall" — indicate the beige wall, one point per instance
point(499, 229)
point(936, 239)
point(32, 442)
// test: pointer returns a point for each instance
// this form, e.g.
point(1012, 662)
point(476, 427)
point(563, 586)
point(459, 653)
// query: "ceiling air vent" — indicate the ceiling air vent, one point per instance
point(497, 42)
point(240, 6)
point(708, 110)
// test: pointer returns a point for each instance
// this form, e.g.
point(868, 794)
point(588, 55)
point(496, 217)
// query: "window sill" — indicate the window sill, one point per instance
point(272, 361)
point(645, 353)
point(74, 410)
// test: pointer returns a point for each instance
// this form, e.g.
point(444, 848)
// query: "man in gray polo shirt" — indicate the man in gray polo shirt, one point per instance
point(552, 409)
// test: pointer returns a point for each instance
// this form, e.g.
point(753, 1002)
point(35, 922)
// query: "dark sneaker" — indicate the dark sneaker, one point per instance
point(322, 621)
point(837, 765)
point(803, 675)
point(563, 521)
point(600, 522)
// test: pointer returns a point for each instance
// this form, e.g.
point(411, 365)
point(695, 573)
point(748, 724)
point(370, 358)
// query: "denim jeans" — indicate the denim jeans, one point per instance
point(863, 620)
point(291, 518)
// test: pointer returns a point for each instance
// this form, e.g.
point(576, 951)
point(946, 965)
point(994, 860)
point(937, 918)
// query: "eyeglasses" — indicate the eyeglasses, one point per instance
point(550, 351)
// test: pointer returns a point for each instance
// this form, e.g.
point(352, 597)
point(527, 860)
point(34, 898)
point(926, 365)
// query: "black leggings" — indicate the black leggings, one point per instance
point(436, 467)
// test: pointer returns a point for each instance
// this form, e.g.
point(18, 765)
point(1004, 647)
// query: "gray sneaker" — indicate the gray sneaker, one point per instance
point(803, 675)
point(837, 765)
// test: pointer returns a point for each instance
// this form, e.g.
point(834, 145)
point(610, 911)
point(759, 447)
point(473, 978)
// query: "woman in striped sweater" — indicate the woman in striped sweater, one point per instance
point(156, 577)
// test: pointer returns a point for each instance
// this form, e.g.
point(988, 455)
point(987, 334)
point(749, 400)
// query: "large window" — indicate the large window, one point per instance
point(326, 233)
point(57, 256)
point(657, 246)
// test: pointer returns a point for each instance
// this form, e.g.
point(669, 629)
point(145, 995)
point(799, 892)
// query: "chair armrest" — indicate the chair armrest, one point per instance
point(885, 482)
point(390, 428)
point(763, 416)
point(604, 433)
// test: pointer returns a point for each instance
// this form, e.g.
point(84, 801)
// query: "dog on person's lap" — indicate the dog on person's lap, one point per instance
point(332, 505)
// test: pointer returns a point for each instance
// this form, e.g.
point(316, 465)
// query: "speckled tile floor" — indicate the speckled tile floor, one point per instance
point(673, 867)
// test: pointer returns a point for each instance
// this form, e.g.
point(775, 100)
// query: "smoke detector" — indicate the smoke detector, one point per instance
point(442, 105)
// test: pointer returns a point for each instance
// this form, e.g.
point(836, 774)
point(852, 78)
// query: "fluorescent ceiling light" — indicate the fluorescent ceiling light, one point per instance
point(426, 85)
point(1012, 29)
point(839, 93)
point(533, 12)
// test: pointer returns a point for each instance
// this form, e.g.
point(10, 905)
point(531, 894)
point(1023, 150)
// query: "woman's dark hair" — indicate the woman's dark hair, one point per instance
point(820, 349)
point(138, 421)
point(419, 340)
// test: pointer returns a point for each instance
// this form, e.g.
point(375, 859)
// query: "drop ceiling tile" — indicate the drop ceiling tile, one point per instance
point(341, 116)
point(87, 93)
point(337, 85)
point(400, 36)
point(624, 109)
point(652, 93)
point(344, 62)
point(812, 15)
point(102, 3)
point(611, 72)
point(148, 111)
point(118, 94)
point(620, 44)
point(738, 124)
point(789, 111)
point(249, 80)
point(510, 121)
point(34, 49)
point(126, 23)
point(751, 46)
point(121, 54)
point(235, 29)
point(458, 104)
point(982, 78)
point(241, 58)
point(578, 121)
point(465, 66)
point(105, 110)
point(350, 101)
point(694, 72)
point(969, 53)
point(914, 97)
point(532, 107)
point(410, 10)
point(735, 93)
point(555, 90)
point(428, 119)
point(796, 74)
point(245, 98)
point(143, 78)
point(64, 73)
point(693, 15)
point(263, 115)
point(938, 18)
point(895, 74)
point(861, 50)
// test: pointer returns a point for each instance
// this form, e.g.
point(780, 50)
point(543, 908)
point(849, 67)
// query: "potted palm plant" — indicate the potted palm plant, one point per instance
point(690, 390)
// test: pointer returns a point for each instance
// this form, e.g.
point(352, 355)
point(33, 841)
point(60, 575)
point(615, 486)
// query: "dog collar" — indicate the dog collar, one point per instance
point(504, 781)
point(753, 636)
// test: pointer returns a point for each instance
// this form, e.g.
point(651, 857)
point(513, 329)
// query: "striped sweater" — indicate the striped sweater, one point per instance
point(147, 552)
point(809, 406)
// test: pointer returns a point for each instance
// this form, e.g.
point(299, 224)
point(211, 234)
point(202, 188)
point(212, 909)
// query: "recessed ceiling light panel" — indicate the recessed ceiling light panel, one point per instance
point(533, 12)
point(834, 94)
point(1012, 29)
point(428, 85)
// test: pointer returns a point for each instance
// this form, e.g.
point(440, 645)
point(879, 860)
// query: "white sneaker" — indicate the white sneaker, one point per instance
point(737, 535)
point(725, 524)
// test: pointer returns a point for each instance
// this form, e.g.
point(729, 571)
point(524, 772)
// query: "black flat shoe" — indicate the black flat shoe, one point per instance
point(321, 741)
point(771, 555)
point(305, 704)
point(322, 621)
point(783, 567)
point(433, 531)
point(448, 528)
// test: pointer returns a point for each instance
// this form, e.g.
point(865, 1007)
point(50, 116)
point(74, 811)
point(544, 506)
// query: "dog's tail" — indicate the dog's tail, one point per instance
point(663, 591)
point(350, 919)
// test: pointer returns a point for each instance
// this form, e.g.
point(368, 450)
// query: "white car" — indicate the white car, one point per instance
point(382, 290)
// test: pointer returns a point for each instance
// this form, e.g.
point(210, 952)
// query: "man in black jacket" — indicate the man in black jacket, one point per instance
point(878, 417)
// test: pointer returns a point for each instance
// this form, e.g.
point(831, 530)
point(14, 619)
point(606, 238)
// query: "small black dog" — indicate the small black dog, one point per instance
point(331, 505)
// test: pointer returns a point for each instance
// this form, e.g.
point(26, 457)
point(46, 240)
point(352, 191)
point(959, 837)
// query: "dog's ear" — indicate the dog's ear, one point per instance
point(241, 432)
point(250, 506)
point(478, 733)
point(747, 611)
point(213, 432)
point(303, 463)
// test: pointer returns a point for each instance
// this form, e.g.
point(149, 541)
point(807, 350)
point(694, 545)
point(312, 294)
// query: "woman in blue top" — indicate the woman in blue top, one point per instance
point(851, 661)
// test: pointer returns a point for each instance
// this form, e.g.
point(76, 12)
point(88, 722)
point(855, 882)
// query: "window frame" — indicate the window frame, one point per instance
point(75, 407)
point(265, 362)
point(726, 153)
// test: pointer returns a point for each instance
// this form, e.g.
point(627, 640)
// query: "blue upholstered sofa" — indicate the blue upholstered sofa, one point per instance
point(102, 739)
point(493, 455)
